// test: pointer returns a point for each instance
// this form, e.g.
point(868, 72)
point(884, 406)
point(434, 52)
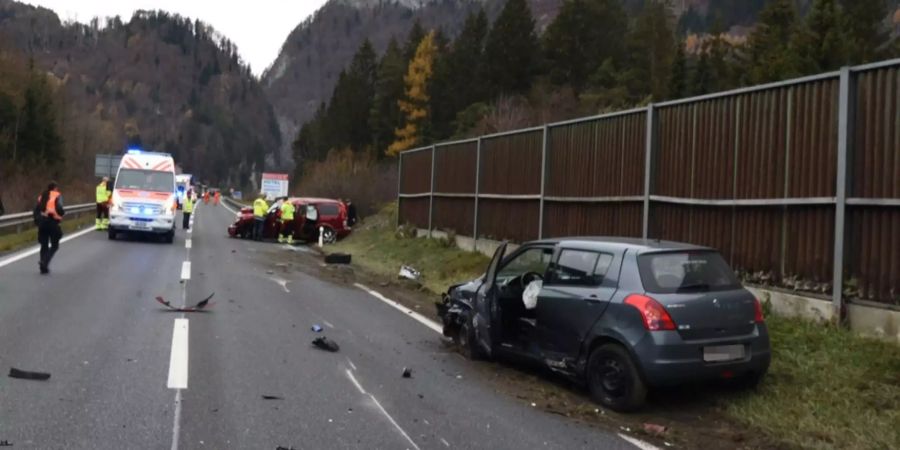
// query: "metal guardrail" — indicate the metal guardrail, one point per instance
point(19, 220)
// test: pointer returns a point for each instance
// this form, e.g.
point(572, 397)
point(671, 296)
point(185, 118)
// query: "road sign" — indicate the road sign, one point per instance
point(106, 165)
point(274, 185)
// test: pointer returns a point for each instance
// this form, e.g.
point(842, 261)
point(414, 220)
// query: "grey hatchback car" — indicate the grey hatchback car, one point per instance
point(620, 315)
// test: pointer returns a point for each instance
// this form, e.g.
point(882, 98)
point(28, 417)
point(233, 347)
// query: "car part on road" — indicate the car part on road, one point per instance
point(200, 306)
point(5, 443)
point(326, 344)
point(272, 397)
point(409, 273)
point(28, 375)
point(407, 372)
point(317, 328)
point(654, 429)
point(337, 258)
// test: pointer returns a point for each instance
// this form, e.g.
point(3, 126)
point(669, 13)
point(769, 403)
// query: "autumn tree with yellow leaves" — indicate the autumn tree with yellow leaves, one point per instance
point(414, 104)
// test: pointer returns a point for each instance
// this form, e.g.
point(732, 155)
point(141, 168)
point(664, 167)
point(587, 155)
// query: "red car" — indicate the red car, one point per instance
point(332, 216)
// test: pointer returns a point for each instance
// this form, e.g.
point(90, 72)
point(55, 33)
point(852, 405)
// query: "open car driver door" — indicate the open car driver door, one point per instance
point(484, 319)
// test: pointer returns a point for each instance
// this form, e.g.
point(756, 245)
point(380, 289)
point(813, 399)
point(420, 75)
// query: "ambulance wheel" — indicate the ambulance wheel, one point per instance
point(169, 237)
point(111, 234)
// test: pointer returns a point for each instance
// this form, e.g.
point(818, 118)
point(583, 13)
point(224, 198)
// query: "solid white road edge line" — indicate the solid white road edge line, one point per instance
point(226, 207)
point(176, 427)
point(186, 270)
point(381, 408)
point(638, 443)
point(36, 249)
point(187, 243)
point(418, 317)
point(178, 360)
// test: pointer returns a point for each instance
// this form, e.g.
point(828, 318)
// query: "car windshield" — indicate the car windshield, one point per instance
point(672, 272)
point(146, 180)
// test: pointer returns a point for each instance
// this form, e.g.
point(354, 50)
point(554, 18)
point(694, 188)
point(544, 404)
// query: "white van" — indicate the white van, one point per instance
point(143, 199)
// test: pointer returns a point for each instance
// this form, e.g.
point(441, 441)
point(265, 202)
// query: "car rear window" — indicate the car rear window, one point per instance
point(328, 209)
point(671, 272)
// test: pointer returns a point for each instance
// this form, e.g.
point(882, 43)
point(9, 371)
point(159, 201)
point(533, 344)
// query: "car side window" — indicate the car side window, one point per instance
point(580, 268)
point(534, 259)
point(328, 209)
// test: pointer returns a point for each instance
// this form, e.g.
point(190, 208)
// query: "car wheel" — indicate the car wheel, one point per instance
point(111, 234)
point(466, 341)
point(329, 236)
point(170, 237)
point(614, 380)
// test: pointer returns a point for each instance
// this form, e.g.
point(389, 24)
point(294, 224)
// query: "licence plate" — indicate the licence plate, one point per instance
point(140, 227)
point(722, 353)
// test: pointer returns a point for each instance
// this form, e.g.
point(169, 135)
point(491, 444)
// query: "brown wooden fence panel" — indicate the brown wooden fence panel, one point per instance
point(415, 175)
point(454, 214)
point(515, 220)
point(457, 163)
point(414, 211)
point(762, 144)
point(597, 219)
point(511, 164)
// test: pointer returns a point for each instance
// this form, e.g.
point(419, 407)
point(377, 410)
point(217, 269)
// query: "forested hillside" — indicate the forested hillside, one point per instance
point(160, 81)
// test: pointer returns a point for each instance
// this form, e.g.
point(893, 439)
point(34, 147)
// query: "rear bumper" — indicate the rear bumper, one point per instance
point(666, 359)
point(154, 225)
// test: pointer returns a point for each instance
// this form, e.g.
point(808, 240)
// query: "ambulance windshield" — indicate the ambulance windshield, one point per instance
point(146, 180)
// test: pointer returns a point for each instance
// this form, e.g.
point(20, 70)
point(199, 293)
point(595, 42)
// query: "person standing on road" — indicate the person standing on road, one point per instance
point(186, 211)
point(260, 207)
point(351, 213)
point(217, 198)
point(103, 196)
point(48, 214)
point(287, 222)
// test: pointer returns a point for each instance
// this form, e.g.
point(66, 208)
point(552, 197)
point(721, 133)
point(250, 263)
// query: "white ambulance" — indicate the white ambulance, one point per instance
point(143, 199)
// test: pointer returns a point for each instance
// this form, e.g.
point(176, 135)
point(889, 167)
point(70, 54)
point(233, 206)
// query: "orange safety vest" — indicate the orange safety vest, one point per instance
point(50, 210)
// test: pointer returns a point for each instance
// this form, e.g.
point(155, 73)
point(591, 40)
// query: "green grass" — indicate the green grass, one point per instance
point(826, 387)
point(15, 241)
point(376, 248)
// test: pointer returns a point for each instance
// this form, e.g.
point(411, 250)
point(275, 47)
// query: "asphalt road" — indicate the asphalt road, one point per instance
point(123, 378)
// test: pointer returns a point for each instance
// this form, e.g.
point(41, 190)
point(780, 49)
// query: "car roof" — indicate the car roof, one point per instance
point(313, 200)
point(639, 244)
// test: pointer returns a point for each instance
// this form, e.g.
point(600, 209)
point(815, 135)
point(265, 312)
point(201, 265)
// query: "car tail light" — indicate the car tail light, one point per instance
point(656, 318)
point(758, 316)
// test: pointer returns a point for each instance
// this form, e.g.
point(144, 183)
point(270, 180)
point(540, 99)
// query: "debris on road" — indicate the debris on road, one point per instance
point(284, 448)
point(407, 372)
point(27, 375)
point(317, 328)
point(409, 273)
point(272, 397)
point(338, 258)
point(326, 344)
point(654, 429)
point(196, 308)
point(5, 443)
point(270, 272)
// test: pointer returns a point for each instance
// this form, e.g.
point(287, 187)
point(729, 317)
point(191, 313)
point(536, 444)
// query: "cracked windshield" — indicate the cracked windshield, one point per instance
point(439, 224)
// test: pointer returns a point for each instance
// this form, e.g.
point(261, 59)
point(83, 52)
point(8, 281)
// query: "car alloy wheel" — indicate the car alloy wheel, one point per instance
point(465, 339)
point(614, 380)
point(329, 236)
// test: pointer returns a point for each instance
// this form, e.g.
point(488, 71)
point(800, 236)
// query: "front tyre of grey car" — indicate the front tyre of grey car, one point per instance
point(614, 380)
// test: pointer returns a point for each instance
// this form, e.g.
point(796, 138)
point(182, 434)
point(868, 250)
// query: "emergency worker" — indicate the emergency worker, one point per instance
point(103, 195)
point(48, 213)
point(260, 207)
point(287, 222)
point(187, 210)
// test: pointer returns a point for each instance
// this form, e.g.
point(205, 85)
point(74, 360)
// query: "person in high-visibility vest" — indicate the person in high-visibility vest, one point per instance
point(216, 198)
point(48, 213)
point(186, 210)
point(103, 196)
point(260, 208)
point(287, 222)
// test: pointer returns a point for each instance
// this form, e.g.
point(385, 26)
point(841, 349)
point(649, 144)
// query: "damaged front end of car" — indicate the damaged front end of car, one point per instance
point(456, 306)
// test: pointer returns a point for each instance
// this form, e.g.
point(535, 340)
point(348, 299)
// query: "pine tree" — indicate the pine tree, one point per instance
point(701, 79)
point(864, 21)
point(820, 43)
point(415, 101)
point(38, 139)
point(721, 59)
point(415, 36)
point(652, 51)
point(385, 115)
point(583, 35)
point(679, 79)
point(769, 55)
point(511, 50)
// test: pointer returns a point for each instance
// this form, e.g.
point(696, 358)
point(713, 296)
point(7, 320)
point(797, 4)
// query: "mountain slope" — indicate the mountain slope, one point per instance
point(160, 80)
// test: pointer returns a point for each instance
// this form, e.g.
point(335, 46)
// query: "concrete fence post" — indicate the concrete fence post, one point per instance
point(845, 136)
point(431, 196)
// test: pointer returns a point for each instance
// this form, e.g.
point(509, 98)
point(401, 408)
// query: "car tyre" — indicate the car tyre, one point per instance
point(111, 234)
point(614, 380)
point(329, 236)
point(467, 342)
point(170, 237)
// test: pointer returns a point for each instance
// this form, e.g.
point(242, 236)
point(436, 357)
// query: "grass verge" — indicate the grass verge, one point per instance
point(827, 388)
point(15, 241)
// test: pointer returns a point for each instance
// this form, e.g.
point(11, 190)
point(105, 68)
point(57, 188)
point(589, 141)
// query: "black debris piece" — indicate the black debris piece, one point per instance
point(272, 397)
point(5, 443)
point(338, 258)
point(326, 344)
point(421, 396)
point(284, 448)
point(196, 308)
point(407, 372)
point(26, 375)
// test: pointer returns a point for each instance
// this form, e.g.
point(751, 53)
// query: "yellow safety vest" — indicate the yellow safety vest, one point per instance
point(102, 193)
point(188, 204)
point(260, 207)
point(287, 211)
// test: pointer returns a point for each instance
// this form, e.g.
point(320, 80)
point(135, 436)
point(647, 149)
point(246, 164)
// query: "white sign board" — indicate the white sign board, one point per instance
point(274, 185)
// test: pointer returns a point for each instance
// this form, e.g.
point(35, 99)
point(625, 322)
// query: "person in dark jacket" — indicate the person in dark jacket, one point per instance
point(49, 213)
point(351, 213)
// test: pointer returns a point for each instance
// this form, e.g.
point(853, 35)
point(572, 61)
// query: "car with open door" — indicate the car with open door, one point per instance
point(330, 215)
point(620, 315)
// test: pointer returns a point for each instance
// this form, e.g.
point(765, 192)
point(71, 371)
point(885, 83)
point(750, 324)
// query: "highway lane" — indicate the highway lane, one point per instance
point(94, 325)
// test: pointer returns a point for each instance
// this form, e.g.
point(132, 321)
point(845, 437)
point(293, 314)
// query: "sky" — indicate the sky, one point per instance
point(258, 27)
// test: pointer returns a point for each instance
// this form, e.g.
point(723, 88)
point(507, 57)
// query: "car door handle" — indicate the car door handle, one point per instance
point(593, 299)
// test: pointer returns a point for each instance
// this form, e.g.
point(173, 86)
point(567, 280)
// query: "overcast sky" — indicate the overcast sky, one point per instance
point(258, 27)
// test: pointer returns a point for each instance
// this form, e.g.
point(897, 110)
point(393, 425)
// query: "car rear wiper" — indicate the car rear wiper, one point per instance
point(697, 286)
